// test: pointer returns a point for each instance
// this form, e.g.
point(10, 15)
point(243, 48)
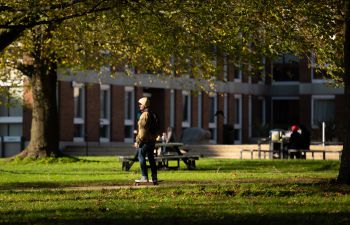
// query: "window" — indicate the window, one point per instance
point(11, 113)
point(285, 111)
point(323, 110)
point(129, 112)
point(286, 68)
point(199, 109)
point(238, 72)
point(186, 107)
point(79, 107)
point(212, 117)
point(225, 109)
point(105, 113)
point(238, 119)
point(172, 108)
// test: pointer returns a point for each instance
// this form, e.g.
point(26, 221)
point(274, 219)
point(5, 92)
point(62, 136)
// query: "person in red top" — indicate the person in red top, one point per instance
point(295, 142)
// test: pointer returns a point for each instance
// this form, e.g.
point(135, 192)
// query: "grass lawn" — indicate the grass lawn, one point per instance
point(94, 190)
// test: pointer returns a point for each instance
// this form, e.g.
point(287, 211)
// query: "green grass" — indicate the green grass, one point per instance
point(94, 190)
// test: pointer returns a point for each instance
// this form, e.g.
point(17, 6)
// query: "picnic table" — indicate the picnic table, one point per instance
point(164, 153)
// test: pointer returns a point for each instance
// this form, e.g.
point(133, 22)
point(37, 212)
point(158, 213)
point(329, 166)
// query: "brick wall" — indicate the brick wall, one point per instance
point(117, 113)
point(305, 110)
point(245, 118)
point(194, 110)
point(178, 113)
point(92, 112)
point(205, 111)
point(66, 110)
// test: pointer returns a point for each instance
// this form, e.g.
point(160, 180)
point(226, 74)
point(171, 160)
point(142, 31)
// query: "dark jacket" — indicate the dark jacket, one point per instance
point(295, 141)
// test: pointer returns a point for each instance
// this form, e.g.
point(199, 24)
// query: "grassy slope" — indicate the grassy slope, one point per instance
point(220, 191)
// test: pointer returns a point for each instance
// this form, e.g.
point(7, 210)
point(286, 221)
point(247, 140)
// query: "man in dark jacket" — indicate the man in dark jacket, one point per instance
point(295, 142)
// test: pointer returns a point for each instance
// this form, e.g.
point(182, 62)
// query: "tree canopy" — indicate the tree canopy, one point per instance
point(169, 37)
point(172, 36)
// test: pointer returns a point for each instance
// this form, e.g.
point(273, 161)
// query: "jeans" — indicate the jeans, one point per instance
point(147, 149)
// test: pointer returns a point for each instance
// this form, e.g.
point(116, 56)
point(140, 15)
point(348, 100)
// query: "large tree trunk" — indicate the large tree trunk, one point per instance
point(344, 171)
point(44, 139)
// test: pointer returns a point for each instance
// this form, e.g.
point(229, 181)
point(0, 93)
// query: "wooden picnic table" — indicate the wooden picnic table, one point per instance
point(163, 156)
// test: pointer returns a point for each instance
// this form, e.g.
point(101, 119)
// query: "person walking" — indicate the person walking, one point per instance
point(145, 140)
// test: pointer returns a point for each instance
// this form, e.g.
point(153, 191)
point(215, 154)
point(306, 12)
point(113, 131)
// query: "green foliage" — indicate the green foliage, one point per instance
point(175, 37)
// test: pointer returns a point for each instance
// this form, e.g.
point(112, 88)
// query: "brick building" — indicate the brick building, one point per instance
point(103, 109)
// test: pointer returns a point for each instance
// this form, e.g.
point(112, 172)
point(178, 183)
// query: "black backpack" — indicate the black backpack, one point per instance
point(154, 126)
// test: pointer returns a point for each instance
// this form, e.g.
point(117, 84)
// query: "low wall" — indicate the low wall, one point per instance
point(214, 151)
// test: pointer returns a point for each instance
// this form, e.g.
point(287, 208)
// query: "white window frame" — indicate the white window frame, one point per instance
point(186, 124)
point(213, 125)
point(106, 121)
point(318, 97)
point(130, 121)
point(80, 120)
point(172, 108)
point(200, 110)
point(238, 126)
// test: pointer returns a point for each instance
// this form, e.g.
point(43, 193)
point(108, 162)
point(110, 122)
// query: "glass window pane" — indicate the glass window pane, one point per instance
point(104, 131)
point(185, 108)
point(286, 68)
point(128, 132)
point(15, 130)
point(212, 110)
point(3, 106)
point(78, 102)
point(238, 111)
point(3, 129)
point(15, 109)
point(78, 130)
point(324, 111)
point(128, 105)
point(104, 104)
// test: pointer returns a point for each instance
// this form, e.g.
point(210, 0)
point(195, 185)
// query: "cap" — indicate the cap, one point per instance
point(294, 128)
point(144, 101)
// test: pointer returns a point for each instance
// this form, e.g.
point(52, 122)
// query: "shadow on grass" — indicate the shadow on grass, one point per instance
point(103, 216)
point(266, 165)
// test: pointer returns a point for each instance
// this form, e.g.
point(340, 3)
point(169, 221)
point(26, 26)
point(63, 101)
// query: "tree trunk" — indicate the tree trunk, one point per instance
point(44, 139)
point(344, 171)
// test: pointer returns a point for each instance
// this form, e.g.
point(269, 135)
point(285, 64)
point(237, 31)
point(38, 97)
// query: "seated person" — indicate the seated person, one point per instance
point(295, 142)
point(171, 137)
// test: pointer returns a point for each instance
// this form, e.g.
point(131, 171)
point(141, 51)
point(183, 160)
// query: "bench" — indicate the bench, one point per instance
point(163, 161)
point(323, 152)
point(251, 151)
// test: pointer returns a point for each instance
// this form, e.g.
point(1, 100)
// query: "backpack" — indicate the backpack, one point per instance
point(154, 126)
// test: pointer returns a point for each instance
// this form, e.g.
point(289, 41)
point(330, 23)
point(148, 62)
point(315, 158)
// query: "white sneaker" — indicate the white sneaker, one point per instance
point(142, 180)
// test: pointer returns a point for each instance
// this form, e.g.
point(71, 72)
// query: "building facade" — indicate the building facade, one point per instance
point(241, 109)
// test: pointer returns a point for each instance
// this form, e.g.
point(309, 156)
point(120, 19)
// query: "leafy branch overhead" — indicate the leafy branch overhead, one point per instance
point(172, 36)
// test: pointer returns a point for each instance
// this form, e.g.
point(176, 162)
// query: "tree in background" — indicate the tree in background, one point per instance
point(170, 38)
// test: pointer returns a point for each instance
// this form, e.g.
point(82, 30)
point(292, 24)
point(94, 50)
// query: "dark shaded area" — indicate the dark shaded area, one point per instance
point(197, 219)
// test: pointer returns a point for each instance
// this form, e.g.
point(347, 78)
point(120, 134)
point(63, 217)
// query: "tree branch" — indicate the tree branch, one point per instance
point(27, 70)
